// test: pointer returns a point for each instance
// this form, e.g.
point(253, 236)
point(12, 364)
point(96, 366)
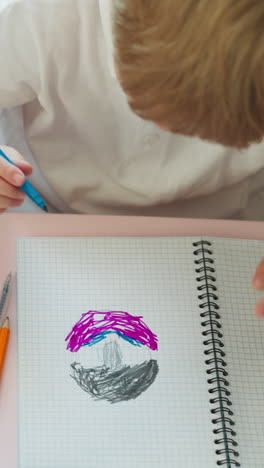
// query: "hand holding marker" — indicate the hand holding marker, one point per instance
point(28, 188)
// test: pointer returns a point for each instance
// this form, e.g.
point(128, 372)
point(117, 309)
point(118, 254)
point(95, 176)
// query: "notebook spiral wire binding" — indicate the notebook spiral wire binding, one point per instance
point(226, 445)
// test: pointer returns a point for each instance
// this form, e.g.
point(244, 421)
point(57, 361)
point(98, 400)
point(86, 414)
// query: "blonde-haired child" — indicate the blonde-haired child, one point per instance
point(136, 107)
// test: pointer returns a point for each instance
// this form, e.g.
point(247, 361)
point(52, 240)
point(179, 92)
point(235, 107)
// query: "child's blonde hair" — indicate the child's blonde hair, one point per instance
point(195, 64)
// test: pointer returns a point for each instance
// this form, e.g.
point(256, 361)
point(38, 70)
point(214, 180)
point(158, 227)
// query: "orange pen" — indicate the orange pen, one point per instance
point(4, 335)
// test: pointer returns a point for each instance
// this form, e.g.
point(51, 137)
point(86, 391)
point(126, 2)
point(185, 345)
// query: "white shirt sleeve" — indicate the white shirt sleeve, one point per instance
point(19, 77)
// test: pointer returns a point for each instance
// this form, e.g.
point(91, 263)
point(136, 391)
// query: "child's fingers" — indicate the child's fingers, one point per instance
point(8, 191)
point(9, 203)
point(11, 178)
point(258, 280)
point(10, 173)
point(25, 167)
point(259, 310)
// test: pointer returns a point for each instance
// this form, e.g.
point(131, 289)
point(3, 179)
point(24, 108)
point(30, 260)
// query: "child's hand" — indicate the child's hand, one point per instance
point(12, 177)
point(258, 284)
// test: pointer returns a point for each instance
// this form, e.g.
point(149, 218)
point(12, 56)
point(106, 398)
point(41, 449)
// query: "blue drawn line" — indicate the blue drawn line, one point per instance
point(97, 338)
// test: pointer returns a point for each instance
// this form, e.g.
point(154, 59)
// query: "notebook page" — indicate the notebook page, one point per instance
point(60, 424)
point(235, 263)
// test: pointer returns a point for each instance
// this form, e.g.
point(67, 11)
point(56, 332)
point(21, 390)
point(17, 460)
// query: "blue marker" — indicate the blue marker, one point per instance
point(28, 188)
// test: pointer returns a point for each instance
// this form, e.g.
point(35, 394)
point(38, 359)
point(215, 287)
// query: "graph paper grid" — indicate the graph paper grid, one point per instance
point(235, 262)
point(59, 425)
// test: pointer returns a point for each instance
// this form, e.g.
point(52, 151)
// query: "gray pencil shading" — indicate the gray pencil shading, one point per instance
point(114, 381)
point(112, 356)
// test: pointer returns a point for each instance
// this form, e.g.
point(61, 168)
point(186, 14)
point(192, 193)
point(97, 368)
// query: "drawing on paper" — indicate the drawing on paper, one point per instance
point(114, 380)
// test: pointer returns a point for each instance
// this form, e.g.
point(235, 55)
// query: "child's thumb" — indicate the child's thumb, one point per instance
point(17, 159)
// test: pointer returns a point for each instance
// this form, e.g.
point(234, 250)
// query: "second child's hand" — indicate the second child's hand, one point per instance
point(258, 284)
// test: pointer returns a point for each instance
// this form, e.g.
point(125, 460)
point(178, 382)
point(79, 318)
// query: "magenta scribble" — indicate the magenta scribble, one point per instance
point(94, 323)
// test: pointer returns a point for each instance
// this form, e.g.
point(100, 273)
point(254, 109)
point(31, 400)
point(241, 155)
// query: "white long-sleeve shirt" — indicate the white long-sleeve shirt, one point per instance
point(91, 154)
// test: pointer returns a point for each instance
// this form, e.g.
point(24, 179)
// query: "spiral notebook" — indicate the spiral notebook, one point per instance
point(139, 352)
